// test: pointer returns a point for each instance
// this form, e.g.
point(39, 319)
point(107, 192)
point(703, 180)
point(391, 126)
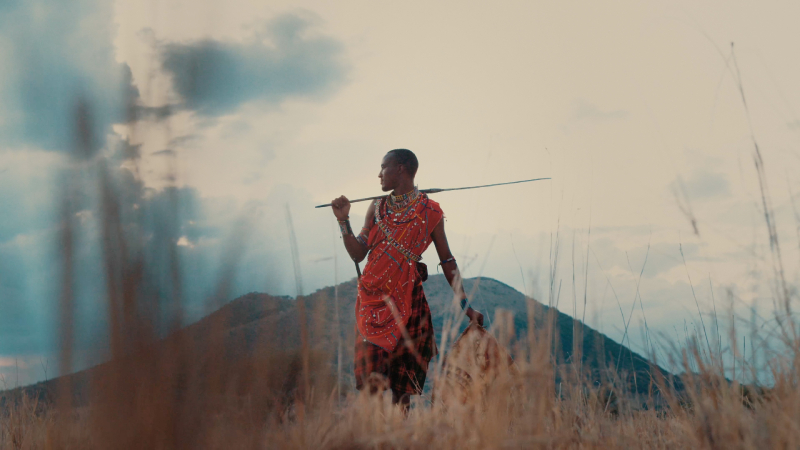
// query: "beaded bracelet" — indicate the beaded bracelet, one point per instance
point(363, 237)
point(443, 262)
point(344, 227)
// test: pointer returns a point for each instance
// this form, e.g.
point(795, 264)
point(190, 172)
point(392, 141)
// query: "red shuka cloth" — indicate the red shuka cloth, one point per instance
point(383, 304)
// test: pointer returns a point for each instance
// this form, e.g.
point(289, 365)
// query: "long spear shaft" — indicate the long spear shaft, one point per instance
point(437, 190)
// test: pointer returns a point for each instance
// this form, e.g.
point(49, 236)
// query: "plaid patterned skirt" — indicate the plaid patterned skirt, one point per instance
point(405, 369)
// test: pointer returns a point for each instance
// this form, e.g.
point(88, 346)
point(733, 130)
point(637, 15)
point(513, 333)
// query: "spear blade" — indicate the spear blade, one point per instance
point(437, 190)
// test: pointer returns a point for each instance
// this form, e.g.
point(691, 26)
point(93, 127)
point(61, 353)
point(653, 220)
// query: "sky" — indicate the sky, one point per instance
point(646, 116)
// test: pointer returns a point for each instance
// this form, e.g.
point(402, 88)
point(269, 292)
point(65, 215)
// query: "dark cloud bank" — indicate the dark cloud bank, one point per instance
point(55, 53)
point(59, 52)
point(215, 77)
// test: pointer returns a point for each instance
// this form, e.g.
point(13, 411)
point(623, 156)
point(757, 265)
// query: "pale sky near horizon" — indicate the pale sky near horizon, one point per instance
point(624, 104)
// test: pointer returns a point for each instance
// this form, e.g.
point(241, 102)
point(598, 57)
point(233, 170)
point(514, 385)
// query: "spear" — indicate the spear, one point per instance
point(437, 190)
point(432, 191)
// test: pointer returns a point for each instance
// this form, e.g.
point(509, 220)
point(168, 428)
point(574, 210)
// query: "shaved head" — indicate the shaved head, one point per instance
point(405, 158)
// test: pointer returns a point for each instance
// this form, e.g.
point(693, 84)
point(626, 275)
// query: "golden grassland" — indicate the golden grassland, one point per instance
point(159, 399)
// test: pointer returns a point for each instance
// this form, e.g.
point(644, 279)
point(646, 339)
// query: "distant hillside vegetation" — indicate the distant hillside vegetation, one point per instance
point(255, 321)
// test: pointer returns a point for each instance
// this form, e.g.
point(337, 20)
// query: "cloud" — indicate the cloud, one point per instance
point(7, 5)
point(165, 152)
point(26, 189)
point(154, 112)
point(55, 55)
point(661, 257)
point(25, 268)
point(704, 184)
point(184, 141)
point(214, 77)
point(11, 362)
point(30, 259)
point(587, 112)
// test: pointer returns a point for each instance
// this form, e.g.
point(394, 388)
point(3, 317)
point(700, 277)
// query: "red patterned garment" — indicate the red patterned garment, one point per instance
point(407, 366)
point(396, 241)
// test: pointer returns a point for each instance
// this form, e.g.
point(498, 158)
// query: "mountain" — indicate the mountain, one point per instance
point(597, 351)
point(259, 323)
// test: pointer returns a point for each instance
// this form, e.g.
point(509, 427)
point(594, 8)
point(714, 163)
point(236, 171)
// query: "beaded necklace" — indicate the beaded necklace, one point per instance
point(398, 203)
point(388, 233)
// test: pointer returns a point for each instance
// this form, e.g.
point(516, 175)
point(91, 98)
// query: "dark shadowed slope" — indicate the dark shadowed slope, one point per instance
point(263, 323)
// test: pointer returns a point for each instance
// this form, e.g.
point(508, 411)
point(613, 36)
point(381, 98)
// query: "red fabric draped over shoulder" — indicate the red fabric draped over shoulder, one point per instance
point(397, 240)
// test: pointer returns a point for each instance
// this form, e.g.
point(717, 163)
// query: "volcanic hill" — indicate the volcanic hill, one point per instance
point(246, 324)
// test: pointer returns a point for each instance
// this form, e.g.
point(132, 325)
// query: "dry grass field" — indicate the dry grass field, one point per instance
point(163, 399)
